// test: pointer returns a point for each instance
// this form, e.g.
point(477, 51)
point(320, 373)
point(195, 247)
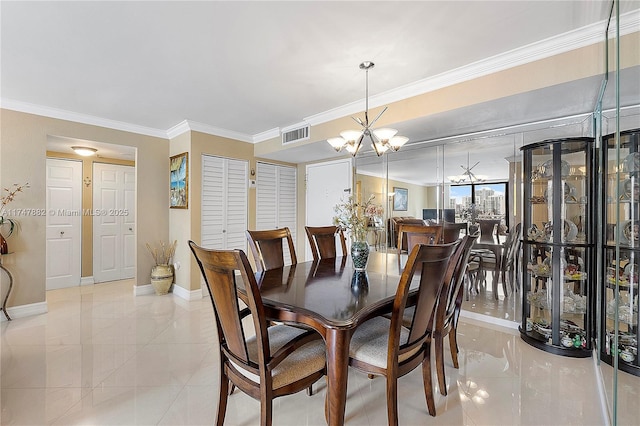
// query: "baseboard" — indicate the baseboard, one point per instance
point(87, 281)
point(26, 310)
point(185, 294)
point(143, 290)
point(489, 319)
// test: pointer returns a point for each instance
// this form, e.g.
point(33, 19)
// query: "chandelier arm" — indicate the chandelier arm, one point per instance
point(374, 145)
point(355, 151)
point(357, 120)
point(379, 115)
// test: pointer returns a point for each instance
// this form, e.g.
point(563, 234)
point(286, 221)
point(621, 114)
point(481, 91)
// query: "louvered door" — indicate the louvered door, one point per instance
point(276, 199)
point(224, 203)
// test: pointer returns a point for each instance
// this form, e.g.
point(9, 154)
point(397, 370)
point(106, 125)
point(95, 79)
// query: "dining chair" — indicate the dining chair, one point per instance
point(383, 346)
point(263, 361)
point(447, 311)
point(410, 235)
point(489, 230)
point(268, 249)
point(451, 231)
point(508, 266)
point(323, 241)
point(448, 308)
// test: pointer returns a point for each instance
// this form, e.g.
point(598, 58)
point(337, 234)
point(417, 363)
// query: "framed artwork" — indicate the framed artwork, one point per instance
point(400, 198)
point(179, 170)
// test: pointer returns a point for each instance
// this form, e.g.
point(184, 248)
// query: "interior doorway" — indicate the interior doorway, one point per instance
point(121, 212)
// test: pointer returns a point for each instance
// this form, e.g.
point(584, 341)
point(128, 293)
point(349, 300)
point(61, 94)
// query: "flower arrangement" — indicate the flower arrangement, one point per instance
point(163, 255)
point(9, 194)
point(354, 217)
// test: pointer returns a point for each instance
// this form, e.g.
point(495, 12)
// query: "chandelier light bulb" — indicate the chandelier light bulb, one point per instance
point(384, 134)
point(351, 136)
point(337, 143)
point(396, 142)
point(381, 147)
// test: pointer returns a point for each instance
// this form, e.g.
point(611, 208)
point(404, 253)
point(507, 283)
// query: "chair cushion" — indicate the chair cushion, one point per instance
point(371, 340)
point(304, 361)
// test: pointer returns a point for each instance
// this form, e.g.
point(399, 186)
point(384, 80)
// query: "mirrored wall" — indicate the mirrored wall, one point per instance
point(617, 122)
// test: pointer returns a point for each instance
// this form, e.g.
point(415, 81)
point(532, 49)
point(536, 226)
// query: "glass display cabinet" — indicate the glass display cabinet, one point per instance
point(621, 251)
point(558, 245)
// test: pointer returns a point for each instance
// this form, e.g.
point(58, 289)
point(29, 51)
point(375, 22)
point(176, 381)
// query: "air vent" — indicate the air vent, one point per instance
point(295, 135)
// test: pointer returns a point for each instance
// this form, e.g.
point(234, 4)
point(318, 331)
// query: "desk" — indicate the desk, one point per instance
point(4, 303)
point(319, 294)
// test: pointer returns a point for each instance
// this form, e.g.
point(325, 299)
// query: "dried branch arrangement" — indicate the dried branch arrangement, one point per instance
point(163, 255)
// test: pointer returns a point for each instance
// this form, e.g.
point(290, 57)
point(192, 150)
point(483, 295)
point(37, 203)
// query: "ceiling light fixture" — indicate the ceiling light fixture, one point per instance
point(467, 174)
point(84, 151)
point(381, 139)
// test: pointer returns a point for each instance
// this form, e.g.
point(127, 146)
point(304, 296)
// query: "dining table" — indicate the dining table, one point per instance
point(332, 298)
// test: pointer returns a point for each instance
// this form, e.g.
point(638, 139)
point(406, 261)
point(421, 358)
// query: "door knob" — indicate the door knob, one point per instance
point(131, 229)
point(61, 233)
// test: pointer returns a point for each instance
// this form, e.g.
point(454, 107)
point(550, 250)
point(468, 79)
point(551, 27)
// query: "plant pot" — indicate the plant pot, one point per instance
point(359, 255)
point(161, 278)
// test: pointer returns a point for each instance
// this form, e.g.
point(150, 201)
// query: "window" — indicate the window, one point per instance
point(489, 200)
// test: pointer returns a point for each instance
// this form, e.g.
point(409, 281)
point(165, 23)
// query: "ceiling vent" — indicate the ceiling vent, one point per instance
point(295, 135)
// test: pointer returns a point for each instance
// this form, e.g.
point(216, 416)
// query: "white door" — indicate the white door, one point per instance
point(276, 199)
point(113, 222)
point(64, 223)
point(327, 184)
point(224, 203)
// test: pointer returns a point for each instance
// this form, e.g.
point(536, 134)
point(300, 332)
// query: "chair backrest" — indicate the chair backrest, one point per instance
point(431, 261)
point(488, 230)
point(451, 231)
point(323, 241)
point(411, 235)
point(218, 269)
point(267, 248)
point(446, 311)
point(512, 246)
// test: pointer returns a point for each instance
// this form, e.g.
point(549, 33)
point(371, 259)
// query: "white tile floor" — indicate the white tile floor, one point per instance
point(102, 356)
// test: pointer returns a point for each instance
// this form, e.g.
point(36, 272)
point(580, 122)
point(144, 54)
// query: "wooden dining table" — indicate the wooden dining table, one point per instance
point(330, 297)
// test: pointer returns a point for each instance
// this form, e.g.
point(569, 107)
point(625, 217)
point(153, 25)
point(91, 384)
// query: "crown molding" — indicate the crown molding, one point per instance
point(188, 125)
point(79, 118)
point(552, 46)
point(266, 135)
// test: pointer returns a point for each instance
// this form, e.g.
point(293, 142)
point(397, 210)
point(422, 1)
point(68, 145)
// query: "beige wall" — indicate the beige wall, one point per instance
point(23, 151)
point(189, 274)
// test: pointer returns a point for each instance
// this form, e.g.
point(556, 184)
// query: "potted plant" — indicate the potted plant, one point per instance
point(354, 218)
point(162, 272)
point(9, 196)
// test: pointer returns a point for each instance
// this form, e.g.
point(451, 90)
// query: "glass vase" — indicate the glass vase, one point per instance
point(359, 255)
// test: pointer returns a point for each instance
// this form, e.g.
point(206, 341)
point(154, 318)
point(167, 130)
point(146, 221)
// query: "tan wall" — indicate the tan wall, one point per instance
point(180, 220)
point(87, 202)
point(23, 152)
point(213, 145)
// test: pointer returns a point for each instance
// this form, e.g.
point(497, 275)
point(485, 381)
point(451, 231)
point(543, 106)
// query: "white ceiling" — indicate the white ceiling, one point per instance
point(248, 69)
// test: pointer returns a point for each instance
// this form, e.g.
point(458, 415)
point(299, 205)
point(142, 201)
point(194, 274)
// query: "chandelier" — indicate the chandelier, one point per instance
point(467, 175)
point(381, 139)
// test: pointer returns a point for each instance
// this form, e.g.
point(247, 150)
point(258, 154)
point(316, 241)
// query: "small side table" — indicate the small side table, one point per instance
point(6, 298)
